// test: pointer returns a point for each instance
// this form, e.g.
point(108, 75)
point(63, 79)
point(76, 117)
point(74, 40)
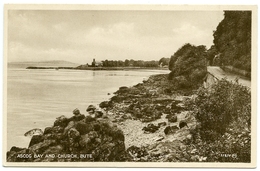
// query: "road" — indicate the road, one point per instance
point(219, 73)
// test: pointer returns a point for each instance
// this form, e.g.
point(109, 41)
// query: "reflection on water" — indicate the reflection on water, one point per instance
point(36, 97)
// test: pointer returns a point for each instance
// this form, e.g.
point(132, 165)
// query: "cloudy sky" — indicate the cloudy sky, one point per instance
point(80, 36)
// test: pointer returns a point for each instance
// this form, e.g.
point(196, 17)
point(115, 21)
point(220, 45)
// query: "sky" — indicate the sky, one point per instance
point(80, 35)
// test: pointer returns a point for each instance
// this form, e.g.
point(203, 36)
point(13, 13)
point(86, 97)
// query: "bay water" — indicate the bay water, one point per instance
point(36, 97)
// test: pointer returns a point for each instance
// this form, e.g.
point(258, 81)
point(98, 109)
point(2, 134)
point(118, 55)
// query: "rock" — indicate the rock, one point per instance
point(57, 129)
point(172, 118)
point(194, 158)
point(42, 146)
point(36, 139)
point(167, 130)
point(97, 137)
point(61, 121)
point(70, 125)
point(84, 140)
point(126, 116)
point(136, 152)
point(16, 149)
point(162, 124)
point(47, 130)
point(89, 119)
point(36, 131)
point(150, 128)
point(114, 120)
point(77, 118)
point(189, 137)
point(96, 127)
point(83, 128)
point(122, 90)
point(53, 130)
point(116, 134)
point(170, 129)
point(176, 107)
point(98, 114)
point(76, 111)
point(182, 124)
point(92, 135)
point(91, 109)
point(73, 140)
point(73, 134)
point(159, 138)
point(193, 151)
point(104, 104)
point(186, 155)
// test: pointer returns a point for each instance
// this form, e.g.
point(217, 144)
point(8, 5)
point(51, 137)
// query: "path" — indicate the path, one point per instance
point(219, 73)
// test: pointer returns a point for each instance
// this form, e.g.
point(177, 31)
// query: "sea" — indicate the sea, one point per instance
point(35, 98)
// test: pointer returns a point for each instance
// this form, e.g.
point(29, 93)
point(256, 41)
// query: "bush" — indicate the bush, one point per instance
point(188, 62)
point(226, 102)
point(224, 115)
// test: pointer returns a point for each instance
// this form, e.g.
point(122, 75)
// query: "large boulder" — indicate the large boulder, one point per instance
point(105, 104)
point(91, 108)
point(36, 139)
point(61, 121)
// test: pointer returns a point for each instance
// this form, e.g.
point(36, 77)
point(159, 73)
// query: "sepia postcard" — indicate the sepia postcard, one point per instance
point(130, 86)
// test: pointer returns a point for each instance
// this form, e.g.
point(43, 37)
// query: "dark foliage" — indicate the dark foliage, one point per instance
point(127, 63)
point(232, 39)
point(224, 115)
point(188, 65)
point(164, 61)
point(226, 102)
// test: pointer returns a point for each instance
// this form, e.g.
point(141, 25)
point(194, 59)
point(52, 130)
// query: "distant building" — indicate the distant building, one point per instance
point(96, 63)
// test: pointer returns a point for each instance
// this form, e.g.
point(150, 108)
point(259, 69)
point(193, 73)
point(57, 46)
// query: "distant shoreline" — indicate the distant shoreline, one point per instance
point(100, 68)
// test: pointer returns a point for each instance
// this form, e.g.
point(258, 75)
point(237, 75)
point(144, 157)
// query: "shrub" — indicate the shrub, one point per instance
point(226, 102)
point(188, 62)
point(223, 114)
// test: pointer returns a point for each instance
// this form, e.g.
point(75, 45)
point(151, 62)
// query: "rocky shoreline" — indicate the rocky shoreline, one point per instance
point(154, 120)
point(149, 122)
point(146, 122)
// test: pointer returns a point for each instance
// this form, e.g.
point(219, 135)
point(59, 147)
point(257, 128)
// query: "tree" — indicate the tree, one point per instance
point(164, 61)
point(127, 62)
point(211, 53)
point(189, 62)
point(232, 39)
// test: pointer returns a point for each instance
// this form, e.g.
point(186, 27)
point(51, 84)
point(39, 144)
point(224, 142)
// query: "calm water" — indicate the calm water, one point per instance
point(36, 97)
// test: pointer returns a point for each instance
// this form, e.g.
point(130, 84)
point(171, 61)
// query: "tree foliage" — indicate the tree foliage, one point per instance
point(164, 61)
point(127, 63)
point(232, 39)
point(211, 53)
point(224, 122)
point(224, 105)
point(189, 62)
